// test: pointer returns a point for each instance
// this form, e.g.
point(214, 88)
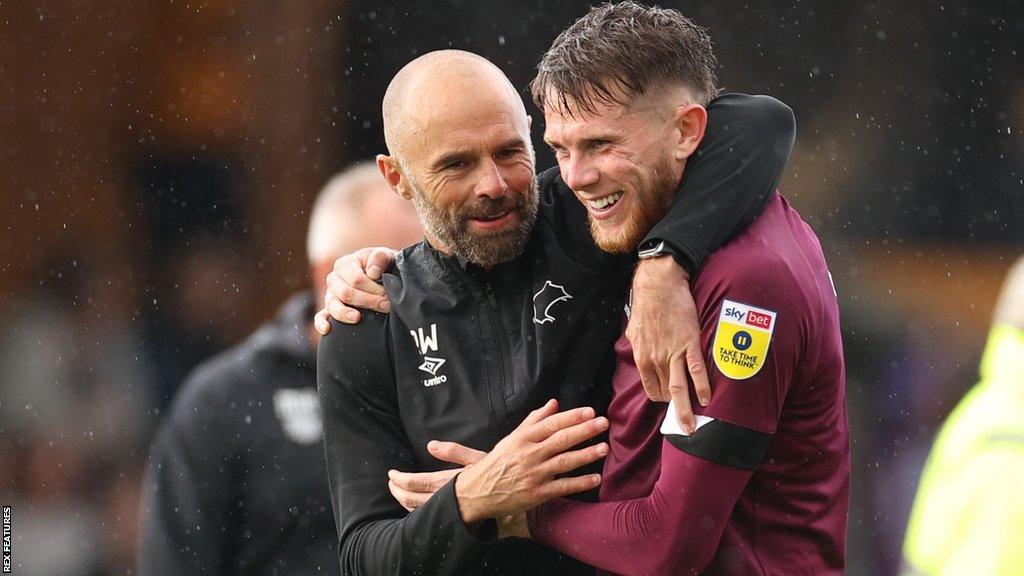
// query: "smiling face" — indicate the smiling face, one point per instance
point(625, 162)
point(464, 158)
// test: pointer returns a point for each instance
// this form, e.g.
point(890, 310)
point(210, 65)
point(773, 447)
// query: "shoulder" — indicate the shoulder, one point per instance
point(216, 381)
point(356, 357)
point(210, 399)
point(358, 344)
point(766, 264)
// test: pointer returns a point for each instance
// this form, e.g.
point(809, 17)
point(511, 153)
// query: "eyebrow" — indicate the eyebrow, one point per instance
point(450, 157)
point(465, 155)
point(601, 135)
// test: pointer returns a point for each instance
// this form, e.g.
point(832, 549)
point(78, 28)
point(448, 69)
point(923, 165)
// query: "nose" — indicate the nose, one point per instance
point(492, 182)
point(578, 172)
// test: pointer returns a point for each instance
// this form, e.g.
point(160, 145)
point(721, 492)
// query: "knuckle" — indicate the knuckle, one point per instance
point(551, 426)
point(559, 437)
point(564, 461)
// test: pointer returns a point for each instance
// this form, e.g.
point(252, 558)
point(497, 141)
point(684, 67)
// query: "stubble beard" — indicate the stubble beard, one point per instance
point(650, 206)
point(483, 249)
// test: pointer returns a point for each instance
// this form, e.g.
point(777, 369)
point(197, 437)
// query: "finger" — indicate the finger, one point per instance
point(680, 391)
point(454, 452)
point(360, 255)
point(568, 437)
point(549, 408)
point(565, 486)
point(569, 461)
point(649, 378)
point(423, 482)
point(698, 375)
point(354, 274)
point(539, 431)
point(409, 500)
point(350, 273)
point(339, 311)
point(378, 261)
point(321, 322)
point(343, 290)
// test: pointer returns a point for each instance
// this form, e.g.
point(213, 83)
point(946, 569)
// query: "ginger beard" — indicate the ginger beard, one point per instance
point(486, 249)
point(648, 207)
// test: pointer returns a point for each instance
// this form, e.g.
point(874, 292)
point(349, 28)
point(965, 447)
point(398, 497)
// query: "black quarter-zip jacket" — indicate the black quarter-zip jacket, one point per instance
point(466, 354)
point(236, 482)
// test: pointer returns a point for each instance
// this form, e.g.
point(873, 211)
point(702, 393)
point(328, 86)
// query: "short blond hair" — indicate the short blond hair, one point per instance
point(334, 226)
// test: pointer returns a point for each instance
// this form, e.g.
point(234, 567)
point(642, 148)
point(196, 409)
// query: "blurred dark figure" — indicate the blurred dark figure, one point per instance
point(968, 517)
point(237, 482)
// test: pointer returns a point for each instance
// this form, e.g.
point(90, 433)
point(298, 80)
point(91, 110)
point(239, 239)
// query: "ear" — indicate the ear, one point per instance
point(392, 174)
point(690, 121)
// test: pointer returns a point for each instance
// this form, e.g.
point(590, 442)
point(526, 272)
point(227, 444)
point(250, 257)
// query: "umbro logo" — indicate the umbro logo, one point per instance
point(432, 365)
point(426, 341)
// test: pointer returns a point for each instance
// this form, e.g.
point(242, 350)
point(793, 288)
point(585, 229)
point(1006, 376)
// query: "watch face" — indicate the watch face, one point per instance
point(652, 251)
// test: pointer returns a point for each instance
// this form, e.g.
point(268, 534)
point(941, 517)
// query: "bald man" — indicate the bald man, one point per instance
point(508, 303)
point(236, 483)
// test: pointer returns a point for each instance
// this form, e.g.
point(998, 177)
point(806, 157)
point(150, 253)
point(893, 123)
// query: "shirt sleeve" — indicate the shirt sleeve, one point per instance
point(729, 179)
point(675, 530)
point(363, 439)
point(754, 331)
point(191, 484)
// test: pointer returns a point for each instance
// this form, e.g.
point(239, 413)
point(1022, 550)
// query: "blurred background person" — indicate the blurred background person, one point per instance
point(968, 517)
point(237, 482)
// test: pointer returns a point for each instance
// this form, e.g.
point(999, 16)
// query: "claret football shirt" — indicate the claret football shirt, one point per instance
point(762, 486)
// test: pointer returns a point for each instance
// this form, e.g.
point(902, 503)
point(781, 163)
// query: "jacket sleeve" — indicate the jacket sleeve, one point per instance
point(363, 439)
point(729, 180)
point(188, 513)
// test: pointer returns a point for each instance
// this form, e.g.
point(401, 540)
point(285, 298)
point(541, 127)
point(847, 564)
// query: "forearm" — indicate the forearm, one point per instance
point(667, 532)
point(430, 540)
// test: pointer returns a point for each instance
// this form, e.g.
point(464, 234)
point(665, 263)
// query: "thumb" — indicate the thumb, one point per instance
point(454, 452)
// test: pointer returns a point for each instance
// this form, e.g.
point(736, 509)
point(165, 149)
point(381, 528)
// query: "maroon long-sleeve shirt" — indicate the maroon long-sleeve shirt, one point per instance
point(762, 486)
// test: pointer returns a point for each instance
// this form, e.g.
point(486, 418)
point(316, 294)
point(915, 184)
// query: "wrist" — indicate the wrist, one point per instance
point(468, 511)
point(658, 272)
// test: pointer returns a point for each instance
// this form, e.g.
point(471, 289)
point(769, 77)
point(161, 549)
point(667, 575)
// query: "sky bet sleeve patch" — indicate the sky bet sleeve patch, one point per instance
point(742, 339)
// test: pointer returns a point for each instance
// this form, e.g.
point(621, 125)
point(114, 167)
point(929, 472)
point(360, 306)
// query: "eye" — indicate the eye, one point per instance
point(509, 153)
point(560, 152)
point(600, 144)
point(456, 165)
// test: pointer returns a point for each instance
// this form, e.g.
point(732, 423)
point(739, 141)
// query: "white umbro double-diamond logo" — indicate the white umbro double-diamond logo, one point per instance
point(432, 365)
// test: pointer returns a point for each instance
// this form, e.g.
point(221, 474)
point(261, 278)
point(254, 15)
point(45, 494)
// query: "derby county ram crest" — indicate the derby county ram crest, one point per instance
point(546, 299)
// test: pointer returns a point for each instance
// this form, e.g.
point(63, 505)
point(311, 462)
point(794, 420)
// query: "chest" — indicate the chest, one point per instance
point(469, 368)
point(283, 471)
